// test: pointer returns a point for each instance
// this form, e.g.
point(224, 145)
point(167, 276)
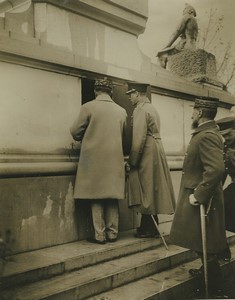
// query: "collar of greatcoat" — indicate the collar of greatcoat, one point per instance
point(142, 100)
point(205, 126)
point(104, 97)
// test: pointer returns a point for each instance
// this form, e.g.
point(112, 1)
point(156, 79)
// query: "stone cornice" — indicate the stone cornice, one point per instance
point(105, 12)
point(32, 54)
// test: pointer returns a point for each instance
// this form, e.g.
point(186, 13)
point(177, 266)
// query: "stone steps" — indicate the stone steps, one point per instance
point(82, 270)
point(48, 262)
point(175, 283)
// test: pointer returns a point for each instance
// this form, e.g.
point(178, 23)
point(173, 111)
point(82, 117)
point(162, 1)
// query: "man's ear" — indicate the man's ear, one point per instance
point(200, 113)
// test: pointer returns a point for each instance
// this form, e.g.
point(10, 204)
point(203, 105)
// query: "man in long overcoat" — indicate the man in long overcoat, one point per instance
point(201, 183)
point(227, 129)
point(149, 171)
point(100, 175)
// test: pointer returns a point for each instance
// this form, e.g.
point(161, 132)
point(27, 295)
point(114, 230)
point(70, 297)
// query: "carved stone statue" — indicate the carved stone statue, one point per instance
point(187, 31)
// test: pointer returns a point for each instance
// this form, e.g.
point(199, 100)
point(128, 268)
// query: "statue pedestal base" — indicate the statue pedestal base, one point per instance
point(195, 65)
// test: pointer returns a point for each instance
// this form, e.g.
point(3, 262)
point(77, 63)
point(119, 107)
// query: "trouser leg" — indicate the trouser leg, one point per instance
point(215, 279)
point(147, 225)
point(214, 273)
point(111, 218)
point(97, 210)
point(225, 254)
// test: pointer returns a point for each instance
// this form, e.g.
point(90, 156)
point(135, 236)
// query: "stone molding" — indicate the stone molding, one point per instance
point(40, 168)
point(23, 169)
point(106, 12)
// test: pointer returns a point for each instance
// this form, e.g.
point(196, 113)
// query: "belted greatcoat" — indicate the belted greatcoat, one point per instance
point(148, 159)
point(100, 127)
point(202, 175)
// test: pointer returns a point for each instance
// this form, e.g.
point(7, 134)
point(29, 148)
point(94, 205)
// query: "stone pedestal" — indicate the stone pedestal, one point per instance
point(195, 65)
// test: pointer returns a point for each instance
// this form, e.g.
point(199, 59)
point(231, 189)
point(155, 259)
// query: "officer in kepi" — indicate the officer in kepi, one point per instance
point(149, 172)
point(201, 183)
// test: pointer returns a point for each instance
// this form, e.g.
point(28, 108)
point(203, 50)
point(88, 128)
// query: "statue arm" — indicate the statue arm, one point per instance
point(179, 30)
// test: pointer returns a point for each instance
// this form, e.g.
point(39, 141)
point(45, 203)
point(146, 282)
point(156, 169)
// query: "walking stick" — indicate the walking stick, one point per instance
point(155, 223)
point(204, 247)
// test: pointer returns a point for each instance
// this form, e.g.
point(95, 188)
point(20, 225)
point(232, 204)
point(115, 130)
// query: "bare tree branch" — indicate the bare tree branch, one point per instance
point(211, 39)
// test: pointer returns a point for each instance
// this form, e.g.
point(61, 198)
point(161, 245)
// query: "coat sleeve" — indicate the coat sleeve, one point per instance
point(139, 135)
point(211, 156)
point(78, 128)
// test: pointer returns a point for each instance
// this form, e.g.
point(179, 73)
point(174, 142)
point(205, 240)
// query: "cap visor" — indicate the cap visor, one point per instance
point(130, 91)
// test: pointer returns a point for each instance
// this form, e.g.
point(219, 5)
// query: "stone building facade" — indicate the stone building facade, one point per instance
point(51, 51)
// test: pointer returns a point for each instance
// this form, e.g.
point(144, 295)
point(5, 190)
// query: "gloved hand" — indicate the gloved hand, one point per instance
point(193, 201)
point(127, 167)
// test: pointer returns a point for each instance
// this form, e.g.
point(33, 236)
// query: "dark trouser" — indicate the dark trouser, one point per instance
point(214, 272)
point(147, 225)
point(225, 254)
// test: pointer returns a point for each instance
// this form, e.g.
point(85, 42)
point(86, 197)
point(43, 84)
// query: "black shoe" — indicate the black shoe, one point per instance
point(94, 241)
point(195, 272)
point(219, 295)
point(111, 240)
point(226, 259)
point(225, 255)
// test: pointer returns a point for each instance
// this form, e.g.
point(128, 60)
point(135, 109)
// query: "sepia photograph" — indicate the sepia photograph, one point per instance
point(117, 149)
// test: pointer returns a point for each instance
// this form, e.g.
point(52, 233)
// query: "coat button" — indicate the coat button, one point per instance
point(183, 173)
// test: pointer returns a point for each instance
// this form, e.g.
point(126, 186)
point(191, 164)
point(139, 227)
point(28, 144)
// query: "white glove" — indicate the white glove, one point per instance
point(127, 167)
point(193, 201)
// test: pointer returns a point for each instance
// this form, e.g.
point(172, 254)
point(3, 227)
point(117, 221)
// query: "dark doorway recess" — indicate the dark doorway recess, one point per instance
point(87, 90)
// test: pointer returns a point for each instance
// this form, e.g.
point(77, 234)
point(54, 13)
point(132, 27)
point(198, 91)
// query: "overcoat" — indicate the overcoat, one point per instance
point(229, 204)
point(100, 127)
point(148, 157)
point(202, 175)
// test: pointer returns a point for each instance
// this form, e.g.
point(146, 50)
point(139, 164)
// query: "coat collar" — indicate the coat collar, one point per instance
point(205, 126)
point(142, 101)
point(104, 97)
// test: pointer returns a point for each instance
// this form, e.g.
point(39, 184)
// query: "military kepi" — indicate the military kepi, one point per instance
point(103, 83)
point(137, 87)
point(206, 103)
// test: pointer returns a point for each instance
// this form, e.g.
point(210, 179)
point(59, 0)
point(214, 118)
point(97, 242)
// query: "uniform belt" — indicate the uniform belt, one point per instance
point(154, 135)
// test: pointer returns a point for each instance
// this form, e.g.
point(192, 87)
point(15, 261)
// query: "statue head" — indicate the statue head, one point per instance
point(189, 10)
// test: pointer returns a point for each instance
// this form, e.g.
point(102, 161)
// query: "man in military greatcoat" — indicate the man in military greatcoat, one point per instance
point(149, 171)
point(100, 175)
point(201, 183)
point(227, 129)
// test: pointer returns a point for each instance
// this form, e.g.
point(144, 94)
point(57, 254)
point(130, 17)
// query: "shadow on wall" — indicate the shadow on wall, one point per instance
point(6, 244)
